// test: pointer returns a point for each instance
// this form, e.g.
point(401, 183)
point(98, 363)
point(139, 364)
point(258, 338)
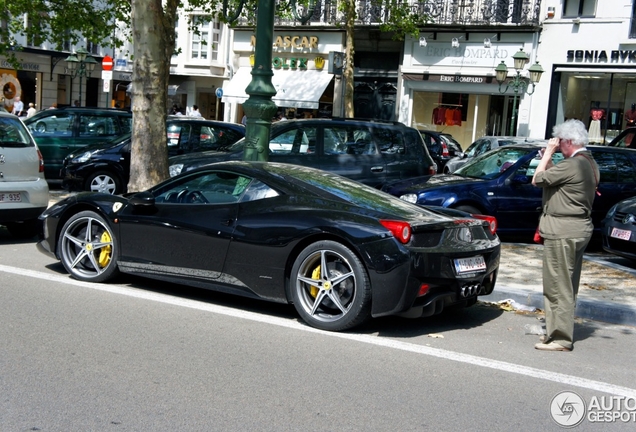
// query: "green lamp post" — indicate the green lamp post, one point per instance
point(81, 65)
point(259, 107)
point(518, 83)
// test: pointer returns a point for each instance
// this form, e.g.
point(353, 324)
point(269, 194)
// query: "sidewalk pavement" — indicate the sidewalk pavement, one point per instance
point(607, 291)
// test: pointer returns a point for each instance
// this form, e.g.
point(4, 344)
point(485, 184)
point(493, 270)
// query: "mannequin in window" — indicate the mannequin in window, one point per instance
point(597, 113)
point(630, 116)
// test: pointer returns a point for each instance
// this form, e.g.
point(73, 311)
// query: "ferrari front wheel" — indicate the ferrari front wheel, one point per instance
point(331, 289)
point(88, 248)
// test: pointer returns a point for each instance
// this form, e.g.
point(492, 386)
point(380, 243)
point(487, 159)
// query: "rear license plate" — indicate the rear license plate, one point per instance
point(10, 197)
point(468, 265)
point(620, 234)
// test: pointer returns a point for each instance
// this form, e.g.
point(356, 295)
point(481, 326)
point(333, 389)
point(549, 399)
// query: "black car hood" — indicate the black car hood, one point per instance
point(106, 145)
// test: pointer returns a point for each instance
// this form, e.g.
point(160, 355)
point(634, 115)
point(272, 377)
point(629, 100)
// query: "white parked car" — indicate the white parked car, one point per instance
point(24, 193)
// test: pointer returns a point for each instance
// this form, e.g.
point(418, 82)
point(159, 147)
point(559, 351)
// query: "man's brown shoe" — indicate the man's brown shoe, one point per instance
point(552, 346)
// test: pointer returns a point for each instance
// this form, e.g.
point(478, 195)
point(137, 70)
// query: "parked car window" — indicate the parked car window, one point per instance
point(211, 138)
point(293, 141)
point(389, 141)
point(60, 124)
point(91, 125)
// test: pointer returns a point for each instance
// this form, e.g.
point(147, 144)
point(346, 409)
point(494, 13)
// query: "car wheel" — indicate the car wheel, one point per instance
point(87, 248)
point(468, 209)
point(40, 127)
point(330, 287)
point(104, 182)
point(23, 230)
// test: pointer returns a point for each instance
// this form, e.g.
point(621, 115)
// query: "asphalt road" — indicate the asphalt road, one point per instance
point(138, 355)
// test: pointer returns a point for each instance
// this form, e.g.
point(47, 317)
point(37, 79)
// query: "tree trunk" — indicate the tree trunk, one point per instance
point(350, 17)
point(153, 39)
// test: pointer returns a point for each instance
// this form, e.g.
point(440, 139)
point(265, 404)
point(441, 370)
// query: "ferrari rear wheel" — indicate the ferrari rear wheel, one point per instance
point(88, 248)
point(331, 289)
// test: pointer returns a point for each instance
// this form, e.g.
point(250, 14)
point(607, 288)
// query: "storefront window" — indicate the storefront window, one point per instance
point(602, 101)
point(464, 116)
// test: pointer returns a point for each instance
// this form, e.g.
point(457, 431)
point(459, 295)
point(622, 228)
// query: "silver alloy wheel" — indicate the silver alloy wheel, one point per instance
point(103, 183)
point(326, 285)
point(87, 247)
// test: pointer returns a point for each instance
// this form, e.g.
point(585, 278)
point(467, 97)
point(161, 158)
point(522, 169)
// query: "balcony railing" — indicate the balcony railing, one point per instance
point(440, 12)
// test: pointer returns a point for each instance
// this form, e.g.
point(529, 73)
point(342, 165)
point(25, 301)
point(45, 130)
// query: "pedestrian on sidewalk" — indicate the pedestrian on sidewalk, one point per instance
point(565, 226)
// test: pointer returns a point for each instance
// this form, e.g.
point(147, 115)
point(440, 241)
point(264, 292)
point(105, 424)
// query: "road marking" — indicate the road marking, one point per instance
point(553, 377)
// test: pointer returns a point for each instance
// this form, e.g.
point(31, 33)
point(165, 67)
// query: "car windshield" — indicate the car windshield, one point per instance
point(492, 164)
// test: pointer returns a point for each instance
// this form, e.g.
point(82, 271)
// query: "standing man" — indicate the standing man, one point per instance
point(566, 227)
point(18, 106)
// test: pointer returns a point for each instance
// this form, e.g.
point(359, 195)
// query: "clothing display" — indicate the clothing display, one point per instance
point(447, 116)
point(594, 131)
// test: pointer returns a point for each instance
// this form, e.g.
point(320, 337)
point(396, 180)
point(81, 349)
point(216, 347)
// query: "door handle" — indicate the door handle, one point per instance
point(377, 169)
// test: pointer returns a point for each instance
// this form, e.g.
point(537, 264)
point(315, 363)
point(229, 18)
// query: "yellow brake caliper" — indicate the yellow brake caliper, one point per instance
point(313, 290)
point(105, 253)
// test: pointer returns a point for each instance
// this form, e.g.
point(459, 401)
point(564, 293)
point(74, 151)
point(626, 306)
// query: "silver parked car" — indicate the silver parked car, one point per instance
point(24, 193)
point(482, 145)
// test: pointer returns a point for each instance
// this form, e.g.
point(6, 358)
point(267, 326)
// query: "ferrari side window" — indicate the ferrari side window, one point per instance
point(258, 190)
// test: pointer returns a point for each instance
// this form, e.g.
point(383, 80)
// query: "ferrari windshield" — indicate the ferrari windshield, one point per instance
point(493, 163)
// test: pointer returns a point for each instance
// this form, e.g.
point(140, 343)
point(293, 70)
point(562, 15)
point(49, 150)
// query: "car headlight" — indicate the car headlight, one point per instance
point(81, 158)
point(412, 198)
point(175, 169)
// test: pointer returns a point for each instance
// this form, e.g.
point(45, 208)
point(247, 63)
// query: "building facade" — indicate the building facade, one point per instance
point(590, 50)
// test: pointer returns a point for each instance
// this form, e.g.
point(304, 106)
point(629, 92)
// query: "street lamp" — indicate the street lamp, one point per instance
point(518, 83)
point(81, 65)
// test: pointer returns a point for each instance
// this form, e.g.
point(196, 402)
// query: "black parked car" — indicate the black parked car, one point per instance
point(626, 138)
point(619, 229)
point(442, 147)
point(499, 183)
point(106, 167)
point(61, 131)
point(338, 250)
point(372, 152)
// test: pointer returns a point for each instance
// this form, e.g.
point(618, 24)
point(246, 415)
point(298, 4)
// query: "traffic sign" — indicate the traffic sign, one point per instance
point(219, 92)
point(107, 63)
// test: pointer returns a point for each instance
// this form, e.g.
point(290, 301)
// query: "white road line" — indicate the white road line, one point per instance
point(553, 377)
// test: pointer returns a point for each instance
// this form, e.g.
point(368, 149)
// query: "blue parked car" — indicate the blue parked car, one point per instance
point(499, 183)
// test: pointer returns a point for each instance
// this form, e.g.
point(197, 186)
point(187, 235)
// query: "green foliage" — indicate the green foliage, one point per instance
point(403, 20)
point(59, 22)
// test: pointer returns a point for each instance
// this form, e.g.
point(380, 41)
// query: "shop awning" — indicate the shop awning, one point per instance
point(294, 88)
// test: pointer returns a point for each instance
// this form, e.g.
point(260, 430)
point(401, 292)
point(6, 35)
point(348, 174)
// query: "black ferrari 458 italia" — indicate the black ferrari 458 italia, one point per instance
point(338, 250)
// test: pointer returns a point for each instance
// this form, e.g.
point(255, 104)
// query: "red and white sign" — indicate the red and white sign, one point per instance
point(107, 63)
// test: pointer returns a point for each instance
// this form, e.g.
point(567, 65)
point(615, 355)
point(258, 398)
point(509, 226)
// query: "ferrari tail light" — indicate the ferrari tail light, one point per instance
point(492, 221)
point(423, 289)
point(41, 169)
point(401, 230)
